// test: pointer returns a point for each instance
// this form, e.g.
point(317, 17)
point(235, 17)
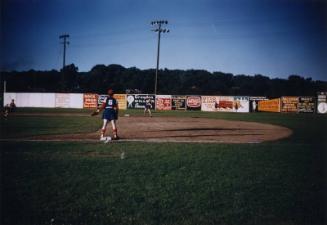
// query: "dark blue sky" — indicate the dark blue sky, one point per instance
point(276, 38)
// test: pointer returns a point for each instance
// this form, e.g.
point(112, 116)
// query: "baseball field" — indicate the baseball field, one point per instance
point(174, 168)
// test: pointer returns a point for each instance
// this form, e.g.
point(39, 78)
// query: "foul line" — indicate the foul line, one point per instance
point(130, 140)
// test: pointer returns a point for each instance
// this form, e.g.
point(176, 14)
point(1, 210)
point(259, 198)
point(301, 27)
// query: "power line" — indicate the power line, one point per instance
point(112, 43)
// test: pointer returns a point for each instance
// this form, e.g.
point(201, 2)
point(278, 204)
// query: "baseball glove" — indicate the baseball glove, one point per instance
point(95, 113)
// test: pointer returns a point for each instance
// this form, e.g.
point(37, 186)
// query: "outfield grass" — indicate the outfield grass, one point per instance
point(278, 182)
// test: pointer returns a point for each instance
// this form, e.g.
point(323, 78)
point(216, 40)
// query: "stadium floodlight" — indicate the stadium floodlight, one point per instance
point(159, 24)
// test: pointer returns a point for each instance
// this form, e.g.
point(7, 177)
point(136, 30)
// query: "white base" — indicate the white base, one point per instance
point(105, 139)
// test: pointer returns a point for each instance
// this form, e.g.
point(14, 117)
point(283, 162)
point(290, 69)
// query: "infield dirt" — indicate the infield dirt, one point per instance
point(176, 129)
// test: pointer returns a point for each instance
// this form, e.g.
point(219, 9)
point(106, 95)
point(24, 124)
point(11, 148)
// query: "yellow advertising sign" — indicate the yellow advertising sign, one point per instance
point(272, 105)
point(121, 99)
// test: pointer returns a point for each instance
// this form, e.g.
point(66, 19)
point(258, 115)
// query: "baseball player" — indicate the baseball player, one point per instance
point(110, 114)
point(12, 106)
point(147, 106)
point(6, 111)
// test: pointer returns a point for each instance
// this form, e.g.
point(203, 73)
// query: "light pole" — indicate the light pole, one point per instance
point(158, 28)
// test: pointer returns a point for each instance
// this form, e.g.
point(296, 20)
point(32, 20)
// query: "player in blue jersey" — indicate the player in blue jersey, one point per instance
point(110, 114)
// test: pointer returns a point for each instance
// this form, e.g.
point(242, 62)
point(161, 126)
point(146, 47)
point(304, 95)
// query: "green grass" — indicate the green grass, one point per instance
point(20, 126)
point(52, 110)
point(30, 122)
point(82, 183)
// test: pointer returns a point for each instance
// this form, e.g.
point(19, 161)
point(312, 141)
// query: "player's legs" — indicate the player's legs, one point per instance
point(103, 129)
point(147, 109)
point(114, 129)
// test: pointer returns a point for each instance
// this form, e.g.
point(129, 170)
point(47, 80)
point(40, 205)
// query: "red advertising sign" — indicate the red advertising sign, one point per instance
point(193, 102)
point(163, 102)
point(90, 101)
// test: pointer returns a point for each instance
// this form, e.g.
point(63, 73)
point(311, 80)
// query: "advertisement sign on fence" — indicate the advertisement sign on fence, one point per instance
point(65, 100)
point(90, 101)
point(138, 101)
point(306, 104)
point(121, 99)
point(272, 105)
point(163, 102)
point(217, 103)
point(62, 100)
point(322, 102)
point(289, 104)
point(241, 104)
point(254, 101)
point(193, 102)
point(225, 103)
point(178, 102)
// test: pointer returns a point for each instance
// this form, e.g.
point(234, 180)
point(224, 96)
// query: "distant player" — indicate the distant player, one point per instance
point(148, 106)
point(254, 106)
point(6, 111)
point(12, 106)
point(110, 114)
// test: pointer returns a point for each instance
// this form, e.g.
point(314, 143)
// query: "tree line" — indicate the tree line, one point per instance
point(174, 82)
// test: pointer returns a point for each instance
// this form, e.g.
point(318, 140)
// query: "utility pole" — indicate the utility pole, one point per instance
point(158, 28)
point(65, 42)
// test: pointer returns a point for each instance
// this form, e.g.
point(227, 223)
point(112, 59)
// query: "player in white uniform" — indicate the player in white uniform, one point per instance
point(147, 107)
